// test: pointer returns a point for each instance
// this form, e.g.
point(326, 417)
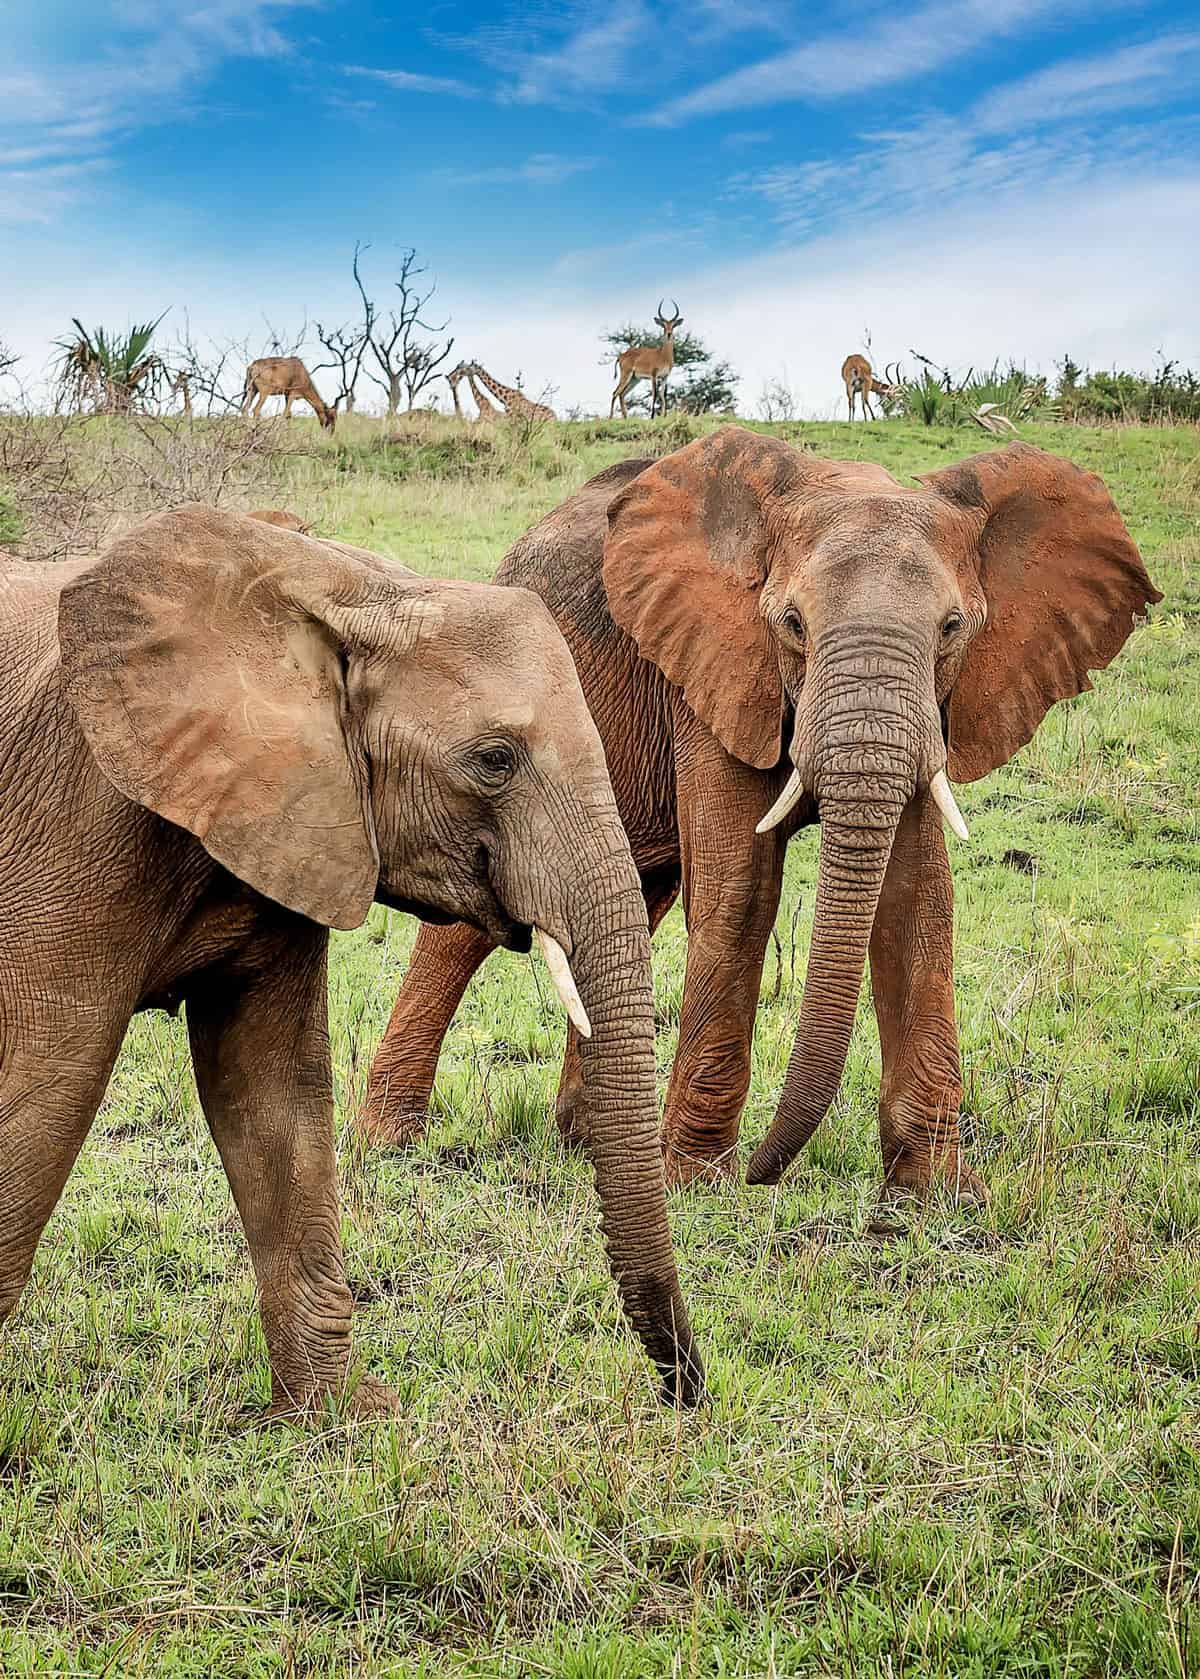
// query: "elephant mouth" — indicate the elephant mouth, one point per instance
point(495, 922)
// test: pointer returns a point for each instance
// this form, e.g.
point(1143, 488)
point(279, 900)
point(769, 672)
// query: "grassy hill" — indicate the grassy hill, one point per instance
point(970, 1448)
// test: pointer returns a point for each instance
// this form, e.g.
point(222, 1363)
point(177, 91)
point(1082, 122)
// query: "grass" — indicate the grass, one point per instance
point(971, 1448)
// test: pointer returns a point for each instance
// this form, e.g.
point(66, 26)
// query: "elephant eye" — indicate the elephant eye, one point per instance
point(496, 760)
point(953, 624)
point(793, 622)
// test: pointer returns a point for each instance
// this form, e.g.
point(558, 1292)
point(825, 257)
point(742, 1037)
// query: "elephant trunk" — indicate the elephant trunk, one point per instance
point(610, 965)
point(866, 739)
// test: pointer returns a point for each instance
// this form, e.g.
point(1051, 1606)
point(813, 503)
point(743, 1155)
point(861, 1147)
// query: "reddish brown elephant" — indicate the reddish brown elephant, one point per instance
point(740, 610)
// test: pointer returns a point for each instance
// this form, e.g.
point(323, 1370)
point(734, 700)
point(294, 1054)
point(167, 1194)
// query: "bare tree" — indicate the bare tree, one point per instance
point(777, 401)
point(406, 363)
point(8, 358)
point(347, 345)
point(213, 375)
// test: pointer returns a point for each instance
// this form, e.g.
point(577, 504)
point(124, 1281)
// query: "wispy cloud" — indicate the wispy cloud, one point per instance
point(408, 81)
point(543, 169)
point(1027, 133)
point(562, 61)
point(876, 52)
point(1157, 71)
point(58, 121)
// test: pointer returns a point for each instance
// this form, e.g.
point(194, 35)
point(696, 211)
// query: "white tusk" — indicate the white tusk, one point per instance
point(943, 798)
point(564, 983)
point(787, 800)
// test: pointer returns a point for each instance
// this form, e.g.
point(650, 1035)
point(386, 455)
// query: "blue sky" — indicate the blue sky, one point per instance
point(970, 178)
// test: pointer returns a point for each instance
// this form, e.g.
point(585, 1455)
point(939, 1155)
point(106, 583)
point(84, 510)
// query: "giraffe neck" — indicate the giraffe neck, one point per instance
point(481, 401)
point(509, 397)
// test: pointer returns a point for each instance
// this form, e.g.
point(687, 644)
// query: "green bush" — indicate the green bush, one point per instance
point(1170, 395)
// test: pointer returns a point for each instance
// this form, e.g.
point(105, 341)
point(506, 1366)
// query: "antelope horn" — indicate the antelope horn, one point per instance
point(943, 798)
point(787, 801)
point(660, 309)
point(564, 982)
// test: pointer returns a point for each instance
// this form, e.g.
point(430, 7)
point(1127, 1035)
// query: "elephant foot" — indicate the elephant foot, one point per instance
point(684, 1166)
point(392, 1125)
point(913, 1180)
point(368, 1400)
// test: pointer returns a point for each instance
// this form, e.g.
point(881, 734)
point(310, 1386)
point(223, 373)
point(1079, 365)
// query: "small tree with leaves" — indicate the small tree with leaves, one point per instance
point(109, 372)
point(400, 361)
point(702, 384)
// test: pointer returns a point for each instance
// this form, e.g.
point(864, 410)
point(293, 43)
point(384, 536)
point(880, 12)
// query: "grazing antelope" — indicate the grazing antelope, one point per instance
point(860, 381)
point(285, 376)
point(654, 363)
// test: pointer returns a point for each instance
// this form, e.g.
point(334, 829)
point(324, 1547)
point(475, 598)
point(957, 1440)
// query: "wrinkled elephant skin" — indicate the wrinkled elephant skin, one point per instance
point(748, 621)
point(222, 738)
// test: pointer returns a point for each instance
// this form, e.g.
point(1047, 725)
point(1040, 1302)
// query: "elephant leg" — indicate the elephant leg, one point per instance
point(260, 1047)
point(660, 888)
point(48, 1100)
point(912, 981)
point(732, 878)
point(401, 1078)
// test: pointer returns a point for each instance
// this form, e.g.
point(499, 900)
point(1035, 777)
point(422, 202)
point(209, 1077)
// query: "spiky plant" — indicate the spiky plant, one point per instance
point(107, 371)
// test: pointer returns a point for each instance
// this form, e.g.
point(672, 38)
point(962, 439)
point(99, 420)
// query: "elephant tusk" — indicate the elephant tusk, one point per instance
point(564, 982)
point(787, 800)
point(943, 798)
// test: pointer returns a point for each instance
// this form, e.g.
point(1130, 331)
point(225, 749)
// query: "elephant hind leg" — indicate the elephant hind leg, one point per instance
point(400, 1083)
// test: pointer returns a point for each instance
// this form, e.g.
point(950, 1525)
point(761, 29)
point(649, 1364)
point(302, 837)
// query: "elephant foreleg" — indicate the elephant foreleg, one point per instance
point(260, 1046)
point(50, 1088)
point(912, 981)
point(732, 879)
point(401, 1079)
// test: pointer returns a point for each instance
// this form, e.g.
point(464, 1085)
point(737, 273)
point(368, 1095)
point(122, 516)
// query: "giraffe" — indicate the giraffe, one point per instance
point(454, 379)
point(487, 410)
point(516, 404)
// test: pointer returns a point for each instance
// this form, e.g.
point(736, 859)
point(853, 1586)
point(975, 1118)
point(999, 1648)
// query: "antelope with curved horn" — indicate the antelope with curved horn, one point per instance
point(861, 382)
point(653, 363)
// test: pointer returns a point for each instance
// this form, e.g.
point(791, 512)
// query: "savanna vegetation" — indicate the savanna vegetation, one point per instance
point(966, 1444)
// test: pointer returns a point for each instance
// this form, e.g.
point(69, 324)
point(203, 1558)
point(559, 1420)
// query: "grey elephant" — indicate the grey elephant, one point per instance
point(219, 740)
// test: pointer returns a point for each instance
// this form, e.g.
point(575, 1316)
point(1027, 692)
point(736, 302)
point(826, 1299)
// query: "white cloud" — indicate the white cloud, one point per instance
point(1158, 71)
point(543, 169)
point(878, 51)
point(408, 81)
point(157, 52)
point(553, 64)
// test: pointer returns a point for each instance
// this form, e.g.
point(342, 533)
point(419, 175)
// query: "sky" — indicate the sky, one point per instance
point(972, 179)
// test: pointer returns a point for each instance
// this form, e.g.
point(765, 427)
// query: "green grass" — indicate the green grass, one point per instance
point(971, 1448)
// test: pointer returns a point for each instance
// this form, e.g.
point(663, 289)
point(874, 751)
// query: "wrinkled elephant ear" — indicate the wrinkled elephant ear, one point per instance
point(684, 562)
point(1064, 585)
point(199, 657)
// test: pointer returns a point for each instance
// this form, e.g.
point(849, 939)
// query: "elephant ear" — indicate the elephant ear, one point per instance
point(684, 562)
point(199, 657)
point(1064, 586)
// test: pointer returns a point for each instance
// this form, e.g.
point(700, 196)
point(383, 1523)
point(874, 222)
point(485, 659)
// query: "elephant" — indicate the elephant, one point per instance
point(756, 627)
point(218, 740)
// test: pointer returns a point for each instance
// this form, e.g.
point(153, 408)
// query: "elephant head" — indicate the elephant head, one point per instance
point(906, 634)
point(334, 729)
